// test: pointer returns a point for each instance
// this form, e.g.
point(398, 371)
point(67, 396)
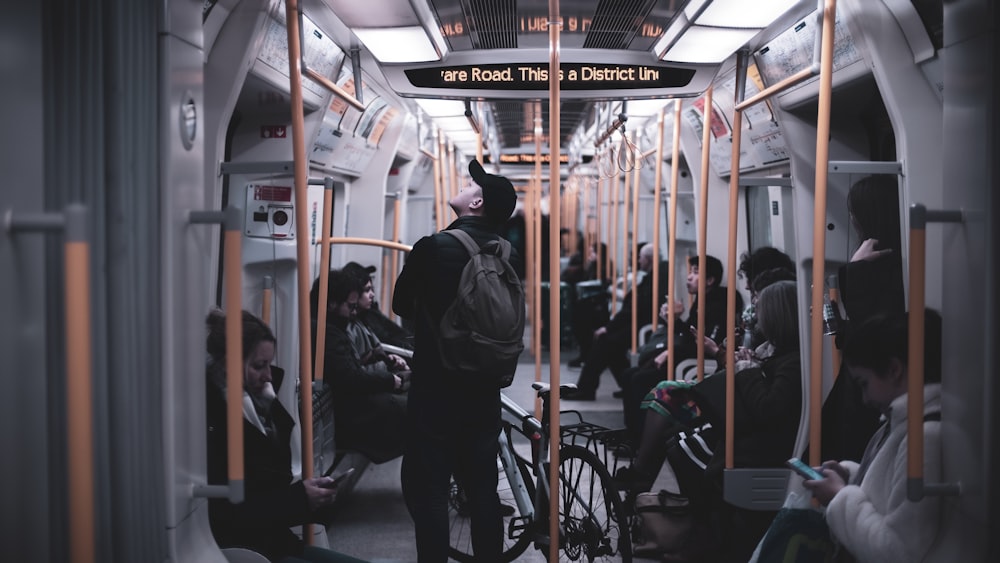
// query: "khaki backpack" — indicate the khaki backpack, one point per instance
point(482, 331)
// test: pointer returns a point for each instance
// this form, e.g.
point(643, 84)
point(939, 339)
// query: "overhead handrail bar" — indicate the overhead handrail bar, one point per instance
point(555, 177)
point(916, 488)
point(615, 125)
point(706, 139)
point(301, 58)
point(822, 8)
point(231, 221)
point(79, 367)
point(295, 60)
point(672, 239)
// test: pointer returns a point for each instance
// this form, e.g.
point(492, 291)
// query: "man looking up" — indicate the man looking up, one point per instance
point(454, 416)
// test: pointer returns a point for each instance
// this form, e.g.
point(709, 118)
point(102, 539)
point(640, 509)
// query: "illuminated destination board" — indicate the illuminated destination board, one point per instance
point(535, 76)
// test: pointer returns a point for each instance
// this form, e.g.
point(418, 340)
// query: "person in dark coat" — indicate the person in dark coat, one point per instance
point(870, 284)
point(369, 406)
point(611, 342)
point(368, 313)
point(454, 417)
point(273, 502)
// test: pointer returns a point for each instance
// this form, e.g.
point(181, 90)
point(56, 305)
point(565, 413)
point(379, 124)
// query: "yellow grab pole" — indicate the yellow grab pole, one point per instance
point(819, 233)
point(452, 170)
point(706, 139)
point(301, 244)
point(615, 251)
point(915, 355)
point(265, 300)
point(438, 189)
point(397, 210)
point(79, 389)
point(734, 189)
point(554, 227)
point(635, 258)
point(598, 239)
point(672, 237)
point(657, 202)
point(324, 279)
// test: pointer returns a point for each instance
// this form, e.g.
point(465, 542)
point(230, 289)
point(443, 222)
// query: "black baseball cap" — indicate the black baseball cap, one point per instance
point(499, 197)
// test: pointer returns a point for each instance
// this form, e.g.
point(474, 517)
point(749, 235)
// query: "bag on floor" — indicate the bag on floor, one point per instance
point(665, 523)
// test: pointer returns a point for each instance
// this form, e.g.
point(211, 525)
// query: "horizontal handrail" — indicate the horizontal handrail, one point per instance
point(371, 242)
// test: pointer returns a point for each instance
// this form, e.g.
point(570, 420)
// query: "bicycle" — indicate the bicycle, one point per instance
point(593, 523)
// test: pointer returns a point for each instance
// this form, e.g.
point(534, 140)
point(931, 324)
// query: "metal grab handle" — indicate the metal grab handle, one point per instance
point(79, 386)
point(231, 221)
point(916, 489)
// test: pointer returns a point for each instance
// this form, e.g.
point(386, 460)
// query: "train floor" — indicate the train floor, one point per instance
point(372, 522)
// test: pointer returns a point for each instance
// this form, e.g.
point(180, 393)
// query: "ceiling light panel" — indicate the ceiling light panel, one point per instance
point(706, 45)
point(398, 44)
point(741, 13)
point(441, 108)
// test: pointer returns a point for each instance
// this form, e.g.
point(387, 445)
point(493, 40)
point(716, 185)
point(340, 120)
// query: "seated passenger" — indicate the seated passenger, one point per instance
point(590, 309)
point(611, 342)
point(371, 316)
point(367, 345)
point(273, 501)
point(866, 505)
point(369, 407)
point(769, 398)
point(637, 383)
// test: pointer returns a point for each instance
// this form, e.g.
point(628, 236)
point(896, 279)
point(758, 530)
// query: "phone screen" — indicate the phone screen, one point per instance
point(798, 466)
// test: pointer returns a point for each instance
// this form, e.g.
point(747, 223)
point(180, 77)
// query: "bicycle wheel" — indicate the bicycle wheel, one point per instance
point(591, 517)
point(516, 535)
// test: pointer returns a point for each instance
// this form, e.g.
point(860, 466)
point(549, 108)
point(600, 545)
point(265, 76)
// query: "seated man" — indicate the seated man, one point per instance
point(638, 382)
point(369, 406)
point(371, 316)
point(611, 341)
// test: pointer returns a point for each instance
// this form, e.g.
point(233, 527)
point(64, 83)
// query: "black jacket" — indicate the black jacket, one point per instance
point(273, 503)
point(426, 287)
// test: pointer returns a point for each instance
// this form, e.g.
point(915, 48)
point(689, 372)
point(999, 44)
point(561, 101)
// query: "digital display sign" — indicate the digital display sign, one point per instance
point(535, 76)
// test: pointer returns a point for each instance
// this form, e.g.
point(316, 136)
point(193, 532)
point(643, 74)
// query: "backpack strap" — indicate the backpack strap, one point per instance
point(473, 248)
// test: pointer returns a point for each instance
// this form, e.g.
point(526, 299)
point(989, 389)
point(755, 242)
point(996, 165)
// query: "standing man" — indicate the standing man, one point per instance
point(454, 416)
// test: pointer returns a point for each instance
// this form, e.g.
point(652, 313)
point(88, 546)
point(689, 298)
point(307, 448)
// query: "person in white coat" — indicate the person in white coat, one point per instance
point(866, 505)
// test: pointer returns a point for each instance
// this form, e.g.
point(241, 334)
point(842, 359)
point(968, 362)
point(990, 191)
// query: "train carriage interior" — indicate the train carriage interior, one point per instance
point(170, 158)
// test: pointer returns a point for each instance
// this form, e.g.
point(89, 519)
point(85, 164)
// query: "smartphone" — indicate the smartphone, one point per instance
point(339, 478)
point(798, 466)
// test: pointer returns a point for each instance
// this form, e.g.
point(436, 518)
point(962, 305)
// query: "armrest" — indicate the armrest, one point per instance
point(402, 352)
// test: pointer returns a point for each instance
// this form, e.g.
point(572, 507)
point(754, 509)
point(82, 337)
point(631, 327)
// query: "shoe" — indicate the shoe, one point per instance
point(629, 478)
point(506, 510)
point(575, 362)
point(618, 394)
point(578, 395)
point(624, 451)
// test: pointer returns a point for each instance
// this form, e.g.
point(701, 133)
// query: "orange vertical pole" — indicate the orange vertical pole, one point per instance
point(706, 139)
point(734, 189)
point(301, 244)
point(672, 236)
point(635, 253)
point(819, 232)
point(554, 239)
point(657, 201)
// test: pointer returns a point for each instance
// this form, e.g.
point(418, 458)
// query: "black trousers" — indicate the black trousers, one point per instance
point(605, 353)
point(428, 465)
point(636, 383)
